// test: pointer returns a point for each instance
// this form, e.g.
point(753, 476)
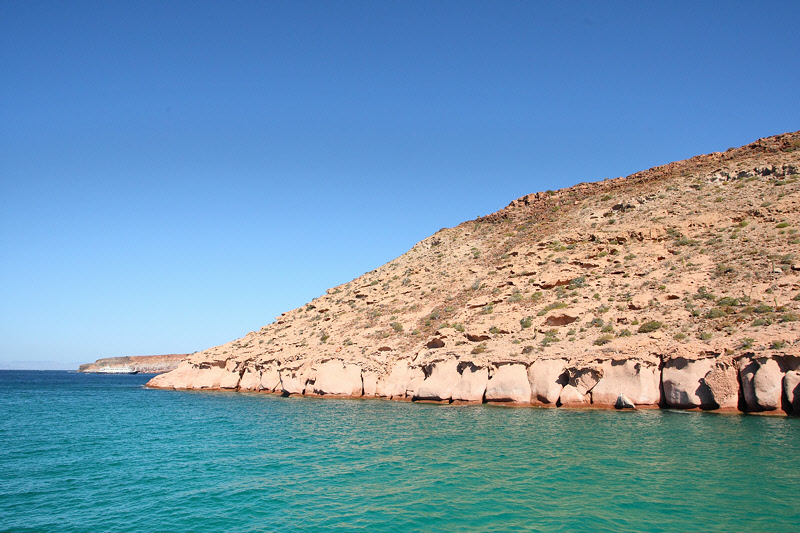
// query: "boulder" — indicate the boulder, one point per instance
point(722, 382)
point(791, 387)
point(472, 384)
point(443, 376)
point(683, 383)
point(637, 380)
point(509, 383)
point(762, 383)
point(547, 377)
point(336, 378)
point(623, 402)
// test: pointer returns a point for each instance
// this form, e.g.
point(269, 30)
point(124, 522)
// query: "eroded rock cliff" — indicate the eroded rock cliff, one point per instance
point(673, 287)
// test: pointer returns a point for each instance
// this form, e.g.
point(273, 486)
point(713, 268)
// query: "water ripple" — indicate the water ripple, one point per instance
point(90, 453)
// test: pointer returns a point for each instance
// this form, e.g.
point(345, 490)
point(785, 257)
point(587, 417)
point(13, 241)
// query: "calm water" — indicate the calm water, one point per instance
point(91, 453)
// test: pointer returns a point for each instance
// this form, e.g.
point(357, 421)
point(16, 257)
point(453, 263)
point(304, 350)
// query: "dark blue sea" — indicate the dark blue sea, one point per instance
point(83, 452)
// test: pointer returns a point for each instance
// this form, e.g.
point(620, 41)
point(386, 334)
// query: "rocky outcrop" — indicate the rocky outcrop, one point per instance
point(722, 382)
point(509, 383)
point(684, 385)
point(762, 382)
point(547, 378)
point(791, 387)
point(768, 384)
point(651, 290)
point(442, 378)
point(582, 379)
point(637, 380)
point(337, 378)
point(471, 387)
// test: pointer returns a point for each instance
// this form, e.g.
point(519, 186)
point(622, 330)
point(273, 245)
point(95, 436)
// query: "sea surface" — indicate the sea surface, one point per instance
point(85, 452)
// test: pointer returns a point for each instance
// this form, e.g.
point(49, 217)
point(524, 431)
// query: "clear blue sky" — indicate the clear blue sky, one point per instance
point(176, 174)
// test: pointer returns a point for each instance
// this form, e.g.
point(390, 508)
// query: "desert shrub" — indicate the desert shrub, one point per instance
point(596, 322)
point(728, 301)
point(480, 348)
point(747, 343)
point(763, 308)
point(715, 312)
point(603, 339)
point(704, 336)
point(459, 327)
point(550, 307)
point(679, 336)
point(527, 349)
point(703, 294)
point(607, 328)
point(526, 322)
point(576, 283)
point(549, 337)
point(790, 317)
point(649, 326)
point(777, 345)
point(494, 330)
point(397, 326)
point(624, 333)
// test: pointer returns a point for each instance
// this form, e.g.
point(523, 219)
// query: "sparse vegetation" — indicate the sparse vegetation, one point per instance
point(550, 307)
point(650, 326)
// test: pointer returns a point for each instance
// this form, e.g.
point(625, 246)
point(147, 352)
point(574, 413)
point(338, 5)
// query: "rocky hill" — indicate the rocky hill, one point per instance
point(674, 287)
point(146, 364)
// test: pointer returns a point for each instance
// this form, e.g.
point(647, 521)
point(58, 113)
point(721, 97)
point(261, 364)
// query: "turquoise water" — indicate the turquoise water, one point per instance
point(101, 453)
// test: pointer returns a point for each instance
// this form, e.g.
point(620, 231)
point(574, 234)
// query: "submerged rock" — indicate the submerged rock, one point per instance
point(623, 402)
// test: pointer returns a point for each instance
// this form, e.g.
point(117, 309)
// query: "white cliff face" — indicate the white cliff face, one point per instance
point(656, 287)
point(768, 384)
point(509, 383)
point(636, 380)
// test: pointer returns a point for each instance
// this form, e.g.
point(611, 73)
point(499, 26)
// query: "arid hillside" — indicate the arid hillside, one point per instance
point(676, 287)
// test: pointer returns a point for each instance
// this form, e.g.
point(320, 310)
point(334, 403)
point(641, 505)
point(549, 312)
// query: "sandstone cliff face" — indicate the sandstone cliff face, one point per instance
point(146, 364)
point(674, 287)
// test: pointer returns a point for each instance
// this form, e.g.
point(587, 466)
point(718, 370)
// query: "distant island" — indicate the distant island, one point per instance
point(677, 286)
point(146, 364)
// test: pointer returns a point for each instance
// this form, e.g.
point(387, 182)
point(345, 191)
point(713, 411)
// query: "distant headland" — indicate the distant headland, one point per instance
point(146, 364)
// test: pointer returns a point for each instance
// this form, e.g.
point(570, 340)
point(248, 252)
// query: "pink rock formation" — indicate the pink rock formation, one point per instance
point(637, 380)
point(509, 383)
point(547, 379)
